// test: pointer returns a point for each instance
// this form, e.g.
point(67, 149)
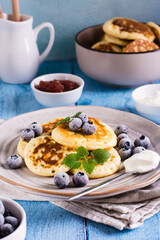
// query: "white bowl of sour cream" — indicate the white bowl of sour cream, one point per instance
point(147, 101)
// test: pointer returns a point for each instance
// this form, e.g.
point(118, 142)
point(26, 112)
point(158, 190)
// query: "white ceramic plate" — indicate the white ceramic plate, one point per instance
point(22, 178)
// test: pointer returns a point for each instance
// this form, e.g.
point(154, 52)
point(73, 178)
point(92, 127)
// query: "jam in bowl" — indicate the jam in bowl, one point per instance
point(57, 89)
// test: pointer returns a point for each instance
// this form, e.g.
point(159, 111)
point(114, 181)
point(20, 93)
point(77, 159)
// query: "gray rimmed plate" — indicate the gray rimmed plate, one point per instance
point(23, 179)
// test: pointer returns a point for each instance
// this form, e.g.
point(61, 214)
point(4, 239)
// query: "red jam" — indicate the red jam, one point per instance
point(56, 86)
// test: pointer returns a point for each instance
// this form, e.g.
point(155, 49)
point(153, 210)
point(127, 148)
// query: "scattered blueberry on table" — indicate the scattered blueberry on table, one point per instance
point(14, 161)
point(61, 180)
point(80, 179)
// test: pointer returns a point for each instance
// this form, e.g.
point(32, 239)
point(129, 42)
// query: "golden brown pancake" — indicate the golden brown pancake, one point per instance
point(140, 45)
point(104, 137)
point(47, 129)
point(104, 46)
point(156, 29)
point(102, 170)
point(43, 156)
point(115, 40)
point(128, 29)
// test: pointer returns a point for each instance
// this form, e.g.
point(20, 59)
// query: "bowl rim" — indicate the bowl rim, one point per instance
point(95, 50)
point(22, 212)
point(141, 103)
point(57, 93)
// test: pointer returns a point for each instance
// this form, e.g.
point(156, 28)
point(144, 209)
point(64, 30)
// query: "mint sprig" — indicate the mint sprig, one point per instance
point(75, 160)
point(67, 119)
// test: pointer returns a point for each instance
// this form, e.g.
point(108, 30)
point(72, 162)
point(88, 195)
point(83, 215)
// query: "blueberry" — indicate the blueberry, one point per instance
point(125, 153)
point(125, 142)
point(89, 128)
point(36, 127)
point(6, 229)
point(2, 208)
point(1, 219)
point(143, 141)
point(14, 161)
point(80, 179)
point(7, 213)
point(121, 129)
point(27, 134)
point(138, 149)
point(75, 124)
point(121, 135)
point(12, 220)
point(83, 117)
point(61, 180)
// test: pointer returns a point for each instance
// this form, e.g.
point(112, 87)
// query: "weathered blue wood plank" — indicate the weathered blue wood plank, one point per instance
point(47, 221)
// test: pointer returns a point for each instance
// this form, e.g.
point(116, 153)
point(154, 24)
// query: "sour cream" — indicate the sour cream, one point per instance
point(142, 162)
point(153, 100)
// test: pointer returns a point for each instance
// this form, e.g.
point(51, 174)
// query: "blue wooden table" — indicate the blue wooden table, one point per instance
point(49, 222)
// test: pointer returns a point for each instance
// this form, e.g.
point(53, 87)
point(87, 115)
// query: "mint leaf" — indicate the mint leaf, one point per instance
point(88, 165)
point(76, 115)
point(100, 155)
point(63, 121)
point(71, 161)
point(82, 152)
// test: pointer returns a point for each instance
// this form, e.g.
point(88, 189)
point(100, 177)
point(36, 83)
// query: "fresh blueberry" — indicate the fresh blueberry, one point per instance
point(27, 134)
point(83, 117)
point(143, 141)
point(121, 129)
point(1, 219)
point(36, 127)
point(89, 128)
point(61, 180)
point(75, 124)
point(7, 213)
point(2, 208)
point(121, 135)
point(14, 161)
point(125, 142)
point(125, 153)
point(138, 149)
point(80, 179)
point(6, 229)
point(12, 220)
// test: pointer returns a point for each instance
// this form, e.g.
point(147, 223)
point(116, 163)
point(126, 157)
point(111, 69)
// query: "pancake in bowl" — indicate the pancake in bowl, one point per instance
point(104, 137)
point(156, 29)
point(106, 47)
point(47, 129)
point(140, 45)
point(125, 28)
point(115, 40)
point(43, 156)
point(102, 170)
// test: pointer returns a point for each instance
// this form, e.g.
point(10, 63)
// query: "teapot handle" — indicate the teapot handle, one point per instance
point(51, 40)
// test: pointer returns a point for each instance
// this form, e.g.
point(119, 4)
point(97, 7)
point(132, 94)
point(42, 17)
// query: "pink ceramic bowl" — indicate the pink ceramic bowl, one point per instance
point(123, 69)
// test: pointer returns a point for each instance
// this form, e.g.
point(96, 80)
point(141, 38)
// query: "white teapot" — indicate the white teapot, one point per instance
point(19, 55)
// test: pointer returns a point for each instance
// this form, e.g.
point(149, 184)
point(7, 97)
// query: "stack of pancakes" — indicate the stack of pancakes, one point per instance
point(44, 155)
point(128, 35)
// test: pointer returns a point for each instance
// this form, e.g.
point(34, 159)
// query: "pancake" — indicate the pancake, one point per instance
point(104, 137)
point(116, 41)
point(129, 29)
point(156, 29)
point(43, 156)
point(47, 129)
point(106, 47)
point(102, 170)
point(140, 45)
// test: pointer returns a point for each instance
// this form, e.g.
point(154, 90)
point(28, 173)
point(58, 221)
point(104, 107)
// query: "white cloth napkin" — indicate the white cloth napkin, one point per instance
point(128, 210)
